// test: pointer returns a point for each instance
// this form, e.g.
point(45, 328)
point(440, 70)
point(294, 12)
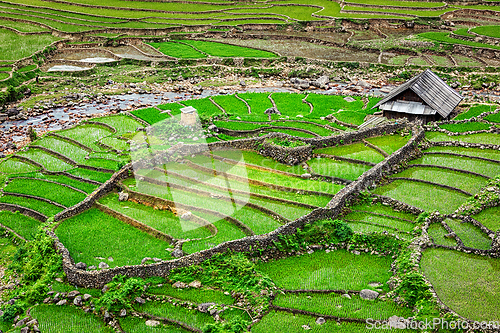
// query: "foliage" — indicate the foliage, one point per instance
point(230, 272)
point(320, 232)
point(414, 288)
point(236, 325)
point(377, 242)
point(37, 263)
point(122, 290)
point(227, 50)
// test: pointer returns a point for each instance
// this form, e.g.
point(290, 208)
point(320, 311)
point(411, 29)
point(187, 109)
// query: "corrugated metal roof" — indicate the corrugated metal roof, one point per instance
point(407, 107)
point(434, 91)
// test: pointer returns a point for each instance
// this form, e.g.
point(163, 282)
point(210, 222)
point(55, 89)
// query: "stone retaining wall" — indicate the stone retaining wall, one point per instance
point(285, 155)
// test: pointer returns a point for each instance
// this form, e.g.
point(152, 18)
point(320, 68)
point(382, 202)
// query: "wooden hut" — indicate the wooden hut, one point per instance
point(425, 97)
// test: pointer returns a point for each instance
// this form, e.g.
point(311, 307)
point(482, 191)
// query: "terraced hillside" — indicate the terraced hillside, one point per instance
point(335, 227)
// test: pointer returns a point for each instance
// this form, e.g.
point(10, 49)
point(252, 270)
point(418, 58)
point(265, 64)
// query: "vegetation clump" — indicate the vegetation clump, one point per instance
point(287, 142)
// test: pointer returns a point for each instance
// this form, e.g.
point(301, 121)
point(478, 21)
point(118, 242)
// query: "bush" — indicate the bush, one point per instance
point(413, 288)
point(38, 264)
point(121, 292)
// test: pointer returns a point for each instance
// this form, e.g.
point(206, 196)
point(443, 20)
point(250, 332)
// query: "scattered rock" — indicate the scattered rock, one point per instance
point(397, 322)
point(78, 301)
point(195, 284)
point(186, 215)
point(375, 284)
point(25, 330)
point(152, 323)
point(32, 323)
point(140, 300)
point(73, 294)
point(205, 307)
point(81, 265)
point(122, 196)
point(306, 327)
point(368, 294)
point(349, 99)
point(272, 110)
point(62, 302)
point(103, 265)
point(86, 297)
point(180, 285)
point(177, 253)
point(346, 296)
point(320, 321)
point(305, 175)
point(123, 313)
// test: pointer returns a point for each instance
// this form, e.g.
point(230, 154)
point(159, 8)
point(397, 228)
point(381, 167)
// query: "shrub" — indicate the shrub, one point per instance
point(287, 143)
point(121, 292)
point(413, 288)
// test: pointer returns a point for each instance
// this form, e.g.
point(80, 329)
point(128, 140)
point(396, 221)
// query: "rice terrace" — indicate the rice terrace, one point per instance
point(249, 166)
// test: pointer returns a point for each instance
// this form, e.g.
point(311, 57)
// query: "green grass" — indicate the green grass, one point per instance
point(310, 127)
point(151, 115)
point(335, 270)
point(178, 50)
point(110, 238)
point(441, 61)
point(4, 76)
point(381, 220)
point(22, 26)
point(225, 50)
point(486, 153)
point(204, 106)
point(389, 143)
point(465, 127)
point(399, 60)
point(463, 32)
point(232, 105)
point(341, 169)
point(193, 318)
point(351, 117)
point(13, 165)
point(258, 104)
point(57, 193)
point(290, 104)
point(357, 151)
point(418, 194)
point(489, 218)
point(67, 149)
point(475, 111)
point(490, 169)
point(23, 225)
point(466, 61)
point(91, 174)
point(87, 134)
point(226, 232)
point(470, 235)
point(27, 68)
point(251, 157)
point(469, 183)
point(121, 123)
point(89, 188)
point(340, 306)
point(488, 30)
point(459, 278)
point(50, 162)
point(25, 45)
point(381, 209)
point(490, 138)
point(68, 319)
point(438, 232)
point(138, 325)
point(444, 37)
point(203, 295)
point(40, 206)
point(290, 323)
point(495, 118)
point(292, 133)
point(115, 143)
point(162, 220)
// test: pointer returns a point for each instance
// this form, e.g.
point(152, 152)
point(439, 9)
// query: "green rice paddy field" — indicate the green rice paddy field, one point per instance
point(230, 194)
